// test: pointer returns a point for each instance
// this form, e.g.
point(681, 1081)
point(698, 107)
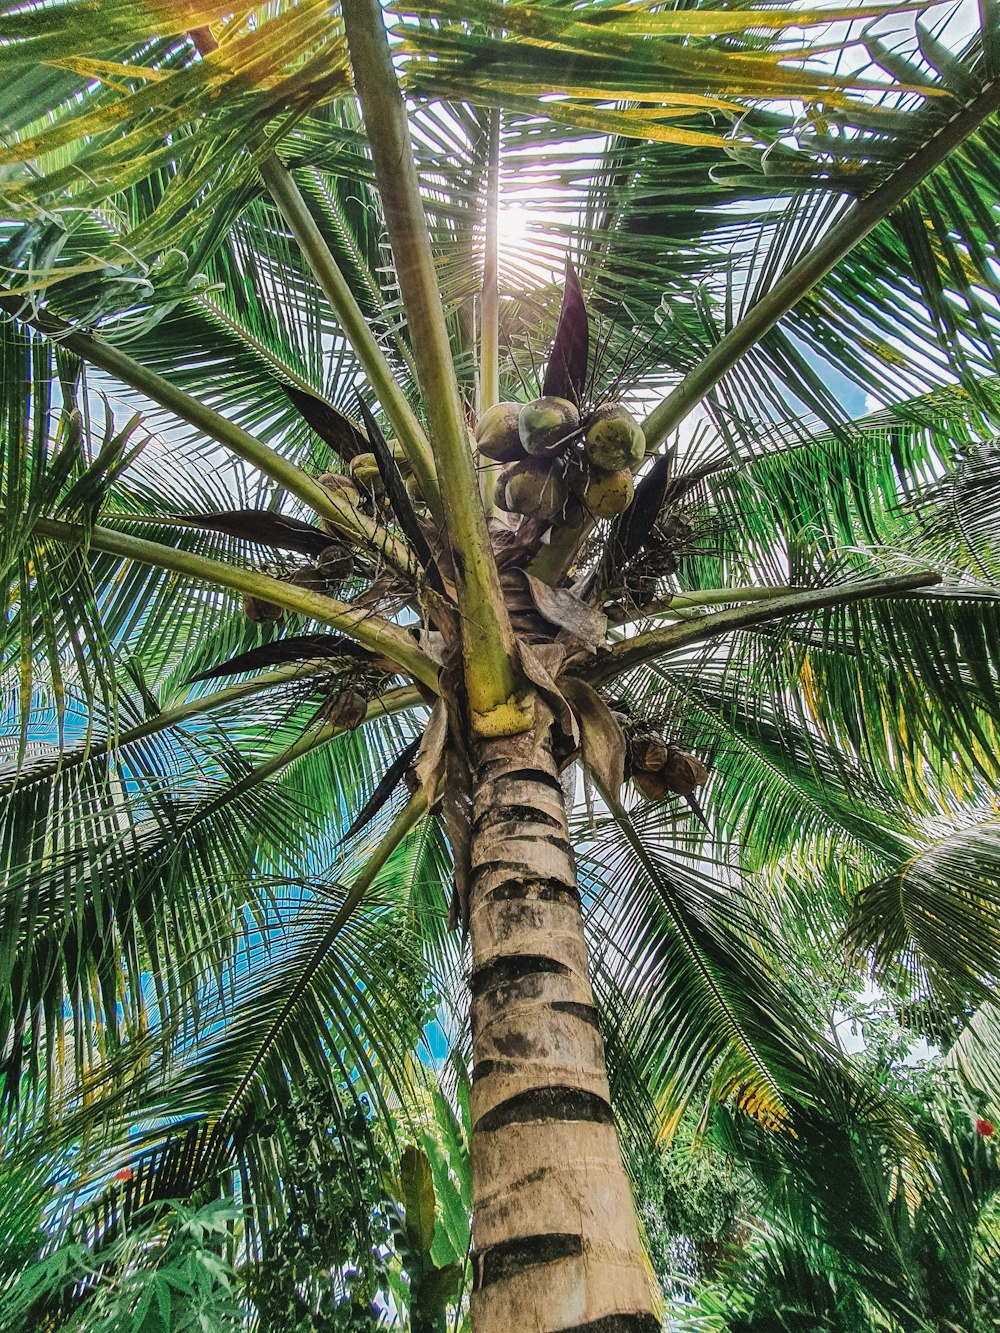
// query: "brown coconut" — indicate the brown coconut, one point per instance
point(308, 577)
point(346, 709)
point(340, 485)
point(648, 753)
point(652, 785)
point(683, 772)
point(259, 610)
point(336, 563)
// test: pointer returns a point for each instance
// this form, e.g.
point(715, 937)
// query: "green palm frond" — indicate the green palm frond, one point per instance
point(689, 996)
point(854, 1223)
point(151, 134)
point(938, 913)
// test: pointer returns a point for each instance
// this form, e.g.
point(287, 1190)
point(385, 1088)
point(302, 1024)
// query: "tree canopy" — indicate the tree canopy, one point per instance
point(245, 679)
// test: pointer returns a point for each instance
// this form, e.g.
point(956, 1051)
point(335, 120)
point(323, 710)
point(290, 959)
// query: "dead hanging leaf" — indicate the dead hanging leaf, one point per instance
point(393, 776)
point(432, 645)
point(602, 741)
point(696, 809)
point(333, 427)
point(399, 498)
point(431, 756)
point(541, 664)
point(562, 607)
point(514, 548)
point(263, 528)
point(295, 648)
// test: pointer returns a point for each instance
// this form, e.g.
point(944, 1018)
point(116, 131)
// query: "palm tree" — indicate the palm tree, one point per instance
point(237, 228)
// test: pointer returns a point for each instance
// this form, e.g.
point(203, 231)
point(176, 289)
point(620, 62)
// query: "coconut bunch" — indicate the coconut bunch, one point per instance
point(333, 565)
point(559, 465)
point(659, 768)
point(644, 577)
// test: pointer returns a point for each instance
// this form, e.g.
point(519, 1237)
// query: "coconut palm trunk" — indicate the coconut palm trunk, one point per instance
point(554, 1228)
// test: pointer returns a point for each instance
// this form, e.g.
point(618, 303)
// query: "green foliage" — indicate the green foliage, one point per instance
point(877, 1213)
point(198, 975)
point(171, 1272)
point(321, 1268)
point(432, 1287)
point(692, 1201)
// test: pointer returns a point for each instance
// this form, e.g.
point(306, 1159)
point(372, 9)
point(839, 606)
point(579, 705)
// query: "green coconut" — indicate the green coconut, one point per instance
point(613, 439)
point(608, 493)
point(497, 434)
point(365, 472)
point(414, 492)
point(536, 489)
point(546, 425)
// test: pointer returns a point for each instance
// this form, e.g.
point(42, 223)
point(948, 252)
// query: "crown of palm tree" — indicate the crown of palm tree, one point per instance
point(236, 263)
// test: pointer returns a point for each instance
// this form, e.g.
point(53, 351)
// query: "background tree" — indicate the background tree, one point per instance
point(207, 901)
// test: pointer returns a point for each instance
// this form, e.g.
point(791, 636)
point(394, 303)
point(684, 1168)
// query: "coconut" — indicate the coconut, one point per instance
point(340, 485)
point(310, 578)
point(606, 494)
point(336, 482)
point(648, 753)
point(399, 457)
point(364, 471)
point(546, 425)
point(652, 785)
point(613, 439)
point(683, 772)
point(497, 434)
point(535, 488)
point(259, 610)
point(346, 709)
point(336, 563)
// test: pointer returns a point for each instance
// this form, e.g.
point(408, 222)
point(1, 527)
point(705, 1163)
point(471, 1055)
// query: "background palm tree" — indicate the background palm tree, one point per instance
point(202, 906)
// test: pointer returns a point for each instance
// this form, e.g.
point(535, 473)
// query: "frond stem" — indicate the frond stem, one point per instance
point(683, 601)
point(219, 428)
point(407, 819)
point(288, 197)
point(487, 638)
point(41, 767)
point(379, 636)
point(672, 638)
point(489, 309)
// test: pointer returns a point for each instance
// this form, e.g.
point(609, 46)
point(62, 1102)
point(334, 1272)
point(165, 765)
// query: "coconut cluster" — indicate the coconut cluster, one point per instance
point(658, 768)
point(334, 564)
point(559, 465)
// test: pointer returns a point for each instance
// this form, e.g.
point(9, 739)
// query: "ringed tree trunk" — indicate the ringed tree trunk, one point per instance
point(556, 1243)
